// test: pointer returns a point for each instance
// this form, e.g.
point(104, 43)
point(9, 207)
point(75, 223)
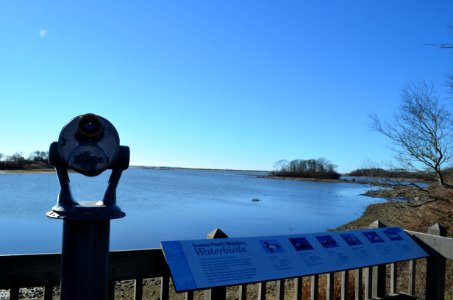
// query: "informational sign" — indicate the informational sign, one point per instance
point(200, 264)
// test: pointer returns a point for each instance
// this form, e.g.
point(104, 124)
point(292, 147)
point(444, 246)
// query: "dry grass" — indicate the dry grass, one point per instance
point(124, 290)
point(420, 211)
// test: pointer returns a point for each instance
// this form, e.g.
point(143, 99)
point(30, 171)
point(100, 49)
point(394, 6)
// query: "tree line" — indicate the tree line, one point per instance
point(17, 161)
point(320, 168)
point(392, 173)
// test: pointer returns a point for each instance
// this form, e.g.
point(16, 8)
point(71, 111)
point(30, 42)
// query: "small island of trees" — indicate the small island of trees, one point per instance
point(320, 168)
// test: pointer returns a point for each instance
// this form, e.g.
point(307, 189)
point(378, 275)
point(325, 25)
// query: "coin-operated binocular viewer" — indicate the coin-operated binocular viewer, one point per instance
point(88, 144)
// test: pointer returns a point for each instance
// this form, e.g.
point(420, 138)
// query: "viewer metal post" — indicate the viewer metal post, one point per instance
point(88, 144)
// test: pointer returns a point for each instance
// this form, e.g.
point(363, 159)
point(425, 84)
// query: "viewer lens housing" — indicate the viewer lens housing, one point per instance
point(90, 126)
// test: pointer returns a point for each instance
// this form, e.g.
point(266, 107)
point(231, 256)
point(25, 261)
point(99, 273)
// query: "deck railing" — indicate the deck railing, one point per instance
point(375, 282)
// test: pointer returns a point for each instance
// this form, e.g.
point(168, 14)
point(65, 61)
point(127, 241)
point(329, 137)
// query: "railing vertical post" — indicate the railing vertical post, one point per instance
point(412, 272)
point(298, 287)
point(435, 269)
point(344, 285)
point(138, 289)
point(314, 287)
point(330, 289)
point(111, 290)
point(188, 295)
point(242, 293)
point(48, 292)
point(368, 283)
point(14, 294)
point(262, 290)
point(280, 293)
point(358, 289)
point(379, 272)
point(164, 287)
point(378, 282)
point(393, 278)
point(218, 293)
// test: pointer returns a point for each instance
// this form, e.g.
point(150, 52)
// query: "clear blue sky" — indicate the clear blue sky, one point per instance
point(219, 84)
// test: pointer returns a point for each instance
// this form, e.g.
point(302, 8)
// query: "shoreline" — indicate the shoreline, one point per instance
point(28, 171)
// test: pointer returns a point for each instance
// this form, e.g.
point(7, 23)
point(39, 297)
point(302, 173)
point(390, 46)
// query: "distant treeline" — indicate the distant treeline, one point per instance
point(36, 160)
point(394, 173)
point(311, 168)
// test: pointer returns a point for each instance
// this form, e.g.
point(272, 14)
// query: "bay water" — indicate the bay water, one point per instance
point(175, 204)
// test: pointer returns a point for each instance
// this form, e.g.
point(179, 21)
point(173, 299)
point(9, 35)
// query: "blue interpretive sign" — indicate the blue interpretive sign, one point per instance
point(200, 264)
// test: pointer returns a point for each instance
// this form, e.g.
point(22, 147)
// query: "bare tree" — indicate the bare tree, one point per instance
point(39, 156)
point(16, 157)
point(421, 130)
point(281, 165)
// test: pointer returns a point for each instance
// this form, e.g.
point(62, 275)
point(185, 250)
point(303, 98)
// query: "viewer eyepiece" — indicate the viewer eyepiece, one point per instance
point(90, 126)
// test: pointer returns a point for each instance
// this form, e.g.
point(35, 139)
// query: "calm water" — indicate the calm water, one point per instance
point(177, 204)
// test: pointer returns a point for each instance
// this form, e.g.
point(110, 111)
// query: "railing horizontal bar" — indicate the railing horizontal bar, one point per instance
point(434, 245)
point(132, 264)
point(29, 270)
point(44, 269)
